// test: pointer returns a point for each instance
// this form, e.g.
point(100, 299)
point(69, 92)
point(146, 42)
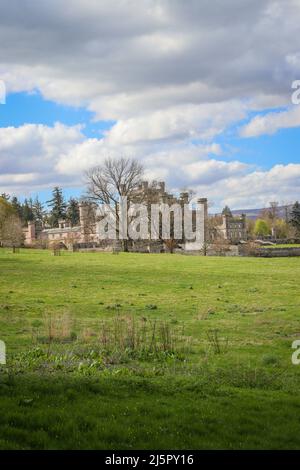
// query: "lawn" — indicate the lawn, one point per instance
point(283, 245)
point(135, 351)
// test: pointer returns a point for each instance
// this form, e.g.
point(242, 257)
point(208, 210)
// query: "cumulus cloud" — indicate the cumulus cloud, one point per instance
point(257, 188)
point(169, 73)
point(116, 57)
point(30, 153)
point(35, 157)
point(178, 123)
point(271, 123)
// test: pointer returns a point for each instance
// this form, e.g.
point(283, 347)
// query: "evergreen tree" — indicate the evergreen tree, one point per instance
point(227, 211)
point(27, 212)
point(58, 206)
point(38, 211)
point(5, 196)
point(73, 211)
point(295, 217)
point(17, 206)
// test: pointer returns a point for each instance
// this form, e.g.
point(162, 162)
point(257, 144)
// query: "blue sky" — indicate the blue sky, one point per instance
point(201, 97)
point(264, 151)
point(23, 108)
point(261, 152)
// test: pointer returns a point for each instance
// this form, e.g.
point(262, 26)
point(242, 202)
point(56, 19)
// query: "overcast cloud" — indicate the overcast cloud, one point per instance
point(169, 72)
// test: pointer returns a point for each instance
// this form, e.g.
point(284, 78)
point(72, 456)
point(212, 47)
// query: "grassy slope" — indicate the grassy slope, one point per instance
point(282, 245)
point(245, 397)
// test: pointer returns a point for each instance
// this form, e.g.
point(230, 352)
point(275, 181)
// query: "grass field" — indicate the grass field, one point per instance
point(136, 351)
point(283, 245)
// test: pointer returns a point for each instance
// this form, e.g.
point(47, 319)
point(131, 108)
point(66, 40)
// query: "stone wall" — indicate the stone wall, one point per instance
point(277, 252)
point(86, 236)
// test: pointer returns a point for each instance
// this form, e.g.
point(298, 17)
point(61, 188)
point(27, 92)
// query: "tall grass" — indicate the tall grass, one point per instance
point(116, 340)
point(55, 328)
point(141, 337)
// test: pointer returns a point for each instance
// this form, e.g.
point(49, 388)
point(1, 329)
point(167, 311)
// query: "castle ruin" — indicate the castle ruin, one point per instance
point(86, 235)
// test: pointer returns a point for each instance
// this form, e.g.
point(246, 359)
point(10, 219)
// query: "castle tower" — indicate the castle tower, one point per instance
point(87, 221)
point(202, 202)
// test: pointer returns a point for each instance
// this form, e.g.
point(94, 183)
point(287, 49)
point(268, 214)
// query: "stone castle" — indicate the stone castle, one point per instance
point(85, 236)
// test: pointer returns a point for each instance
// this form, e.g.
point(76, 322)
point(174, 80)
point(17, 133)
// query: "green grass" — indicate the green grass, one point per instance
point(282, 245)
point(225, 382)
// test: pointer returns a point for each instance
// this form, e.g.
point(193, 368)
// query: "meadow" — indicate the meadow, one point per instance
point(148, 351)
point(283, 245)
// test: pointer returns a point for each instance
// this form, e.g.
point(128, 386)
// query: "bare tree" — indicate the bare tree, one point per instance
point(221, 246)
point(108, 183)
point(191, 193)
point(72, 239)
point(150, 196)
point(171, 244)
point(12, 233)
point(271, 216)
point(214, 224)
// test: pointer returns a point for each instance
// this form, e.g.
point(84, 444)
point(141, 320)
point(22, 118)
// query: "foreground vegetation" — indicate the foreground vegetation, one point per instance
point(148, 351)
point(283, 245)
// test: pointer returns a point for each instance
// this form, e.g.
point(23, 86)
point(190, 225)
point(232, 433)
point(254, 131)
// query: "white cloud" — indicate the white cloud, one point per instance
point(35, 157)
point(272, 122)
point(257, 188)
point(179, 123)
point(211, 171)
point(29, 153)
point(169, 72)
point(12, 179)
point(125, 57)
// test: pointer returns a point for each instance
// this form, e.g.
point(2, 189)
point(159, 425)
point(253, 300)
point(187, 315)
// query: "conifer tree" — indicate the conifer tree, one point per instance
point(38, 211)
point(17, 206)
point(27, 212)
point(295, 217)
point(227, 211)
point(58, 207)
point(73, 212)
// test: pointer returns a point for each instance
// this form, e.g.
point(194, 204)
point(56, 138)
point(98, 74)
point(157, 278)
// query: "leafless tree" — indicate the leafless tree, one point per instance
point(191, 193)
point(214, 224)
point(72, 239)
point(171, 244)
point(109, 182)
point(220, 246)
point(12, 233)
point(271, 216)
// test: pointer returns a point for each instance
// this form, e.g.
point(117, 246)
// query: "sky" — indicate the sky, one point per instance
point(199, 91)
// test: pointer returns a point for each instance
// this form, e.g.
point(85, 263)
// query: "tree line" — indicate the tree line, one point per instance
point(105, 184)
point(271, 223)
point(49, 214)
point(15, 215)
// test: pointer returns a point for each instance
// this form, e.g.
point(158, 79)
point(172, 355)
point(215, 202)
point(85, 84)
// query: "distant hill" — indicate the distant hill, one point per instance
point(254, 213)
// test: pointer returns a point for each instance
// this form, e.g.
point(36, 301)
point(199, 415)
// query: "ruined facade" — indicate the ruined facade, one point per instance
point(85, 235)
point(233, 229)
